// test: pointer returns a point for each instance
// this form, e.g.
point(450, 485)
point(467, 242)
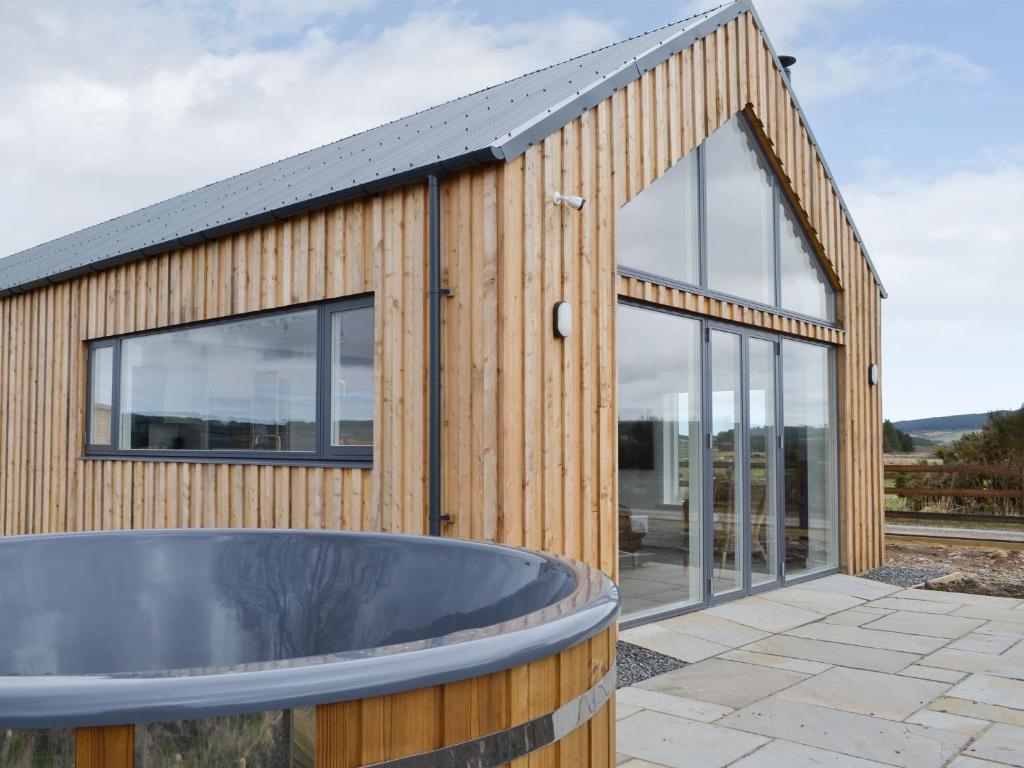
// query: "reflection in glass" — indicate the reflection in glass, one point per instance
point(242, 386)
point(101, 395)
point(726, 450)
point(740, 258)
point(303, 737)
point(810, 457)
point(659, 459)
point(37, 749)
point(763, 478)
point(805, 289)
point(352, 377)
point(658, 231)
point(260, 740)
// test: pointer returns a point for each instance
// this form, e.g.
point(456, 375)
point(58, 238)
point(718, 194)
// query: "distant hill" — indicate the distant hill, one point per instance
point(942, 429)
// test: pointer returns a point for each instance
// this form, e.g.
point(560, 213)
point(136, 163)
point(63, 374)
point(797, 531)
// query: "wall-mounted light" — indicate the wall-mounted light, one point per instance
point(873, 374)
point(563, 319)
point(573, 201)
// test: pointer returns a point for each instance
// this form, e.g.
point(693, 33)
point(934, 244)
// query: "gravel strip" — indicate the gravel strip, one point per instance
point(636, 664)
point(904, 577)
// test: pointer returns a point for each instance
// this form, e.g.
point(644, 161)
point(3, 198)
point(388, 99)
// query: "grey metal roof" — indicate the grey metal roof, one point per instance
point(498, 123)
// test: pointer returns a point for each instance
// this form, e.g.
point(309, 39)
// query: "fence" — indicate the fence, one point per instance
point(987, 495)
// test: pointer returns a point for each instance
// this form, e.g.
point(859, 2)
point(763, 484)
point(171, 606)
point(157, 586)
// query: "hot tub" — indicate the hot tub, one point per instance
point(276, 648)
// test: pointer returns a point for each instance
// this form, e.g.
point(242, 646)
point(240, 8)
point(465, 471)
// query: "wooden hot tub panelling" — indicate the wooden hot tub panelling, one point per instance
point(413, 724)
point(368, 731)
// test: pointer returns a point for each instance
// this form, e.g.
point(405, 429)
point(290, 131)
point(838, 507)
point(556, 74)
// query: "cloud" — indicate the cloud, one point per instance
point(950, 249)
point(99, 120)
point(786, 21)
point(838, 73)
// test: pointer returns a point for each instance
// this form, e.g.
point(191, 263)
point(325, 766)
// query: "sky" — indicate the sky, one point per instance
point(916, 104)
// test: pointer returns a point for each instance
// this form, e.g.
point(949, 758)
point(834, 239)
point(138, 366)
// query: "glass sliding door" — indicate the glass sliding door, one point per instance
point(660, 459)
point(728, 461)
point(728, 475)
point(762, 439)
point(810, 457)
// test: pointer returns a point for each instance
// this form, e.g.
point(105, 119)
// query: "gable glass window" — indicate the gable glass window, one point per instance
point(659, 232)
point(805, 289)
point(717, 221)
point(741, 258)
point(296, 384)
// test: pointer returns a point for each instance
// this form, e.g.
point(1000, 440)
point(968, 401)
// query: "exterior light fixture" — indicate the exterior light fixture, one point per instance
point(563, 319)
point(873, 374)
point(573, 201)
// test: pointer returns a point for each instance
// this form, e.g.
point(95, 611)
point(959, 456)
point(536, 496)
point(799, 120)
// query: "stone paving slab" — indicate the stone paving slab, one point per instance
point(1002, 744)
point(679, 706)
point(834, 653)
point(991, 712)
point(981, 663)
point(727, 683)
point(660, 639)
point(972, 762)
point(853, 586)
point(1014, 629)
point(965, 726)
point(930, 624)
point(816, 600)
point(899, 744)
point(779, 662)
point(680, 743)
point(906, 604)
point(977, 642)
point(787, 754)
point(868, 693)
point(714, 629)
point(933, 673)
point(959, 598)
point(856, 617)
point(990, 612)
point(870, 638)
point(766, 615)
point(987, 689)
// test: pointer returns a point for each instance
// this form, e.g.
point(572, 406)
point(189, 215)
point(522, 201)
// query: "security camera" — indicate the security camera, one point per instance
point(573, 201)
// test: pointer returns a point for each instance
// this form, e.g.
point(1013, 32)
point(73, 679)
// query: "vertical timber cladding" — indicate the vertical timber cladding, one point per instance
point(372, 244)
point(529, 420)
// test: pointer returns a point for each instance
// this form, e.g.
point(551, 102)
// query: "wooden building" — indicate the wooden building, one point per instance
point(365, 336)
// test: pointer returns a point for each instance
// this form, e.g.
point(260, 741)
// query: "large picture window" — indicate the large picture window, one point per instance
point(717, 221)
point(291, 384)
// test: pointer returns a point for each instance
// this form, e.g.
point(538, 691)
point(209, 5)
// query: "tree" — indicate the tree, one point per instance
point(1000, 441)
point(895, 440)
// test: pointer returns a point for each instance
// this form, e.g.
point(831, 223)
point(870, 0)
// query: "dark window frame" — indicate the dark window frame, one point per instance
point(778, 196)
point(323, 453)
point(115, 387)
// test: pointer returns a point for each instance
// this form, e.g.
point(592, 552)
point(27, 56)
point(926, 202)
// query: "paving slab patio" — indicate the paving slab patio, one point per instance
point(842, 672)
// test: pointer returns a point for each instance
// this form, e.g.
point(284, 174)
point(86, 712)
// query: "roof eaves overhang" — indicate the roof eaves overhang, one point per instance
point(555, 118)
point(473, 158)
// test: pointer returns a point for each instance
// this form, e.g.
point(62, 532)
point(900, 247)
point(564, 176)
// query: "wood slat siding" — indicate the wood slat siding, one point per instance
point(529, 426)
point(733, 312)
point(529, 421)
point(367, 731)
point(375, 244)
